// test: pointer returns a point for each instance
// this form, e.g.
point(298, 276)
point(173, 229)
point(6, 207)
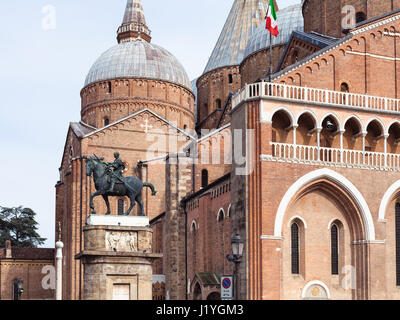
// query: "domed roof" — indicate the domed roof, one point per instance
point(138, 59)
point(289, 19)
point(243, 19)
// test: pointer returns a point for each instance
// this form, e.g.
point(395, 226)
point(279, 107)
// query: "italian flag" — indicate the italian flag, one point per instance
point(272, 25)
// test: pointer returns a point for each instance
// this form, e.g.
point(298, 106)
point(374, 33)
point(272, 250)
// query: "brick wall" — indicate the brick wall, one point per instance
point(325, 17)
point(213, 86)
point(178, 184)
point(257, 65)
point(369, 53)
point(31, 274)
point(127, 96)
point(209, 230)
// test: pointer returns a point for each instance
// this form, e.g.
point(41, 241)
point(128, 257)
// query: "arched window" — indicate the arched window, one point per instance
point(109, 87)
point(218, 103)
point(295, 249)
point(194, 229)
point(335, 249)
point(197, 295)
point(397, 218)
point(344, 87)
point(230, 78)
point(221, 215)
point(360, 17)
point(204, 178)
point(295, 57)
point(106, 122)
point(121, 205)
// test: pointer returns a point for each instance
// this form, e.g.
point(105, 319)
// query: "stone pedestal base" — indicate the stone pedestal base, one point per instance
point(117, 259)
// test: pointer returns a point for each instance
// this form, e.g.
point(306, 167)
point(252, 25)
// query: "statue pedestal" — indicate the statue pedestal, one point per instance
point(117, 258)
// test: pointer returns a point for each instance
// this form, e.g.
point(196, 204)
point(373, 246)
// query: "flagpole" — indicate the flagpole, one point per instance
point(270, 58)
point(270, 47)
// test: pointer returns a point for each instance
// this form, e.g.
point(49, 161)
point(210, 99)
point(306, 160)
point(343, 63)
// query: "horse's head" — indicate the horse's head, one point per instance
point(90, 165)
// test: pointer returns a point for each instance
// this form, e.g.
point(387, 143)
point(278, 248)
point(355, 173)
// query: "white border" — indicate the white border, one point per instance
point(299, 218)
point(339, 180)
point(223, 214)
point(315, 282)
point(386, 199)
point(270, 115)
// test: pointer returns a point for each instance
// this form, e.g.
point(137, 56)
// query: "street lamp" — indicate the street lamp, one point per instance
point(237, 249)
point(18, 289)
point(237, 244)
point(330, 126)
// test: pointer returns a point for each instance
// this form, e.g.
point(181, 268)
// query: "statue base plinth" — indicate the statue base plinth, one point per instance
point(111, 220)
point(117, 258)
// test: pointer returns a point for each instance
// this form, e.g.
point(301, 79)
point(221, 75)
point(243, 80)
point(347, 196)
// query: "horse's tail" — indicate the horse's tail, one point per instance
point(149, 185)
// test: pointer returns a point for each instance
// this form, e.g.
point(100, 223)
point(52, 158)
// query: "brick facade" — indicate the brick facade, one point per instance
point(127, 96)
point(213, 90)
point(201, 205)
point(31, 265)
point(325, 17)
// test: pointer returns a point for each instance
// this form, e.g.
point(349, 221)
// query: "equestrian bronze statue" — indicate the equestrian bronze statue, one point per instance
point(110, 182)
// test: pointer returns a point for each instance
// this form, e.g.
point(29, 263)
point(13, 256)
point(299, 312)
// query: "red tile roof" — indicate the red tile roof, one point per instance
point(29, 253)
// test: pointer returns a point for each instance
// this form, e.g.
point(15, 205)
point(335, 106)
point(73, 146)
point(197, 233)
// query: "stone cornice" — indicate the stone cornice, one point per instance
point(189, 90)
point(132, 101)
point(134, 115)
point(217, 70)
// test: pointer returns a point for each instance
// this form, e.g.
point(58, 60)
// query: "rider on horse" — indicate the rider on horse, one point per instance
point(118, 168)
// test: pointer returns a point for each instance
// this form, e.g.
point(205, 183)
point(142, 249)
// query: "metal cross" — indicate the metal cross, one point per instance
point(146, 126)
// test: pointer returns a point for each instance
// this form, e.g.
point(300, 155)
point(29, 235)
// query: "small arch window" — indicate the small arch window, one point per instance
point(344, 87)
point(218, 103)
point(360, 17)
point(106, 122)
point(204, 178)
point(335, 249)
point(109, 87)
point(295, 57)
point(397, 235)
point(295, 244)
point(230, 78)
point(220, 217)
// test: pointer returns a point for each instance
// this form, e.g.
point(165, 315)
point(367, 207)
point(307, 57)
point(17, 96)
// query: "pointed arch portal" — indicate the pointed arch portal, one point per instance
point(339, 180)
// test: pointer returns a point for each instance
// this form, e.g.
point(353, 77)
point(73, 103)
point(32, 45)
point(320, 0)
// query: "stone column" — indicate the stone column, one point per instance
point(295, 141)
point(341, 145)
point(319, 143)
point(117, 258)
point(59, 263)
point(385, 138)
point(178, 184)
point(364, 134)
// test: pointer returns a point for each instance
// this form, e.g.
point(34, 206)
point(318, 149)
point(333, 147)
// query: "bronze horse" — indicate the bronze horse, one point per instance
point(130, 186)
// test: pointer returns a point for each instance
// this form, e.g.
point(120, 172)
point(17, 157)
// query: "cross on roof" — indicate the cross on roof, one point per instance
point(146, 126)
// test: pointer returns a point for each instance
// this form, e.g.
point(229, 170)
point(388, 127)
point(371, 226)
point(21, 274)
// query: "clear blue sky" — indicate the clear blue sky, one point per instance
point(43, 71)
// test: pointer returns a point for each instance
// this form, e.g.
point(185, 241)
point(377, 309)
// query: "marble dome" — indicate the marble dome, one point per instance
point(138, 59)
point(289, 19)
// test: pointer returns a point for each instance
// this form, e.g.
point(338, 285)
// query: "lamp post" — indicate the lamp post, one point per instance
point(59, 264)
point(18, 289)
point(237, 244)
